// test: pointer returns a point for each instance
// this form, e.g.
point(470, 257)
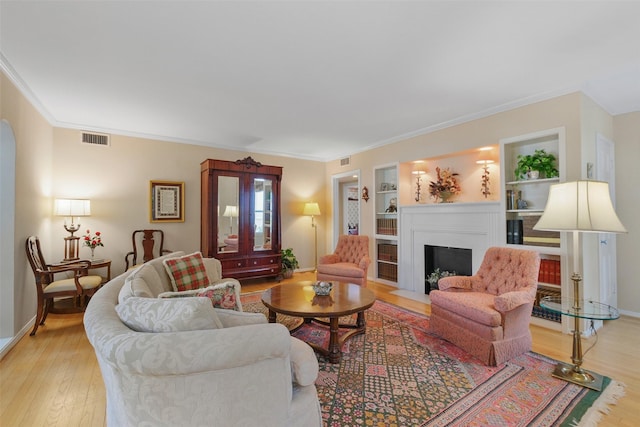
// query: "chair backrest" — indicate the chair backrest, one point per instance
point(147, 244)
point(351, 248)
point(34, 255)
point(507, 269)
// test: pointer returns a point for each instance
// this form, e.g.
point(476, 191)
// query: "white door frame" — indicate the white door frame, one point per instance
point(336, 180)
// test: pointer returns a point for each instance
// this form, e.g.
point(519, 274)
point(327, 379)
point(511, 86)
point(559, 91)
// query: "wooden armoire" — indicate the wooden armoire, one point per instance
point(240, 218)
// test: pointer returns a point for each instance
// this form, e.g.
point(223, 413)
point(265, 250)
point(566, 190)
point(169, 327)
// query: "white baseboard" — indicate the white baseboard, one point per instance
point(7, 344)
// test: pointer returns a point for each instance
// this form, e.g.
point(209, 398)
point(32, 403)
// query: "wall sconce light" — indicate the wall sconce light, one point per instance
point(71, 208)
point(419, 169)
point(312, 209)
point(231, 212)
point(485, 177)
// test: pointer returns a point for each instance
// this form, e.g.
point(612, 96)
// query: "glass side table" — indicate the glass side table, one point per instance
point(578, 310)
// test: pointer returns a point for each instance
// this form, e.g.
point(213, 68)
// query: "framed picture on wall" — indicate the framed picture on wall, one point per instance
point(166, 201)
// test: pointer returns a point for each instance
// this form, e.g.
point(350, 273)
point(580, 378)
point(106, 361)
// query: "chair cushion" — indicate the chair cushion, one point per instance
point(168, 315)
point(345, 269)
point(477, 306)
point(187, 272)
point(87, 282)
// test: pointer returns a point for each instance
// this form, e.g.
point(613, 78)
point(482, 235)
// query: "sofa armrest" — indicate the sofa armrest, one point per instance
point(232, 318)
point(304, 364)
point(329, 259)
point(511, 300)
point(193, 352)
point(454, 282)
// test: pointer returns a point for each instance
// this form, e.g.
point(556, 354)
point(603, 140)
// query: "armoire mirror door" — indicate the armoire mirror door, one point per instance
point(228, 213)
point(262, 213)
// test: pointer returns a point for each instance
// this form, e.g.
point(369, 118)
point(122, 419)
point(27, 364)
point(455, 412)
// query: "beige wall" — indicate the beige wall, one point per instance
point(52, 163)
point(116, 179)
point(582, 119)
point(33, 187)
point(626, 135)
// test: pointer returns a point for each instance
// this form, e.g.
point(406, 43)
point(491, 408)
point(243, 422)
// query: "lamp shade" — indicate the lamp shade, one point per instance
point(311, 208)
point(72, 207)
point(583, 206)
point(231, 211)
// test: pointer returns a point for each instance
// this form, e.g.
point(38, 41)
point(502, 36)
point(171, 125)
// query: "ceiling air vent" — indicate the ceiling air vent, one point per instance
point(95, 138)
point(345, 161)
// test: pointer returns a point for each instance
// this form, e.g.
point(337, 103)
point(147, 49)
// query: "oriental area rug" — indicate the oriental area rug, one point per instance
point(397, 374)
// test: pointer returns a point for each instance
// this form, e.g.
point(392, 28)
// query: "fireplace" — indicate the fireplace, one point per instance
point(475, 226)
point(446, 258)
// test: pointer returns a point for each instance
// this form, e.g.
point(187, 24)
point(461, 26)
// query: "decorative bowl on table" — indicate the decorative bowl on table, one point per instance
point(322, 288)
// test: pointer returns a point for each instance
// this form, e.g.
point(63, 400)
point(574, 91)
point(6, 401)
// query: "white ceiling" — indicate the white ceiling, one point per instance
point(311, 79)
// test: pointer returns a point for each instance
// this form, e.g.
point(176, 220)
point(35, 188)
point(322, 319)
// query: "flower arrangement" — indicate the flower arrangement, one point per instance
point(92, 241)
point(445, 186)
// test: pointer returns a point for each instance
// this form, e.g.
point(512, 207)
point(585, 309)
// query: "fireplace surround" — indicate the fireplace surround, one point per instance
point(475, 226)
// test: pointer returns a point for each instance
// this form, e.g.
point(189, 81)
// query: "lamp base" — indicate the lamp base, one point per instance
point(577, 375)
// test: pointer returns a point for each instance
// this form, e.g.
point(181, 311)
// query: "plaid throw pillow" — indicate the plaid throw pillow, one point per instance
point(187, 272)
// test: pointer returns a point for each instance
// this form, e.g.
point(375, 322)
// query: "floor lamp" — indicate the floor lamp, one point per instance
point(231, 211)
point(312, 209)
point(579, 207)
point(71, 208)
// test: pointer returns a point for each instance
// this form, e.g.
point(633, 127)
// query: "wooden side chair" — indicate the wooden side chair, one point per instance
point(144, 247)
point(80, 286)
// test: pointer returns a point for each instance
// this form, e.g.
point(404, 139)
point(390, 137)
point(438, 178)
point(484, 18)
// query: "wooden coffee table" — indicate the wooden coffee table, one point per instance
point(299, 300)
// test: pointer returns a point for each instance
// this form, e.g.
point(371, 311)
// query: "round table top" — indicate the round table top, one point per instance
point(299, 299)
point(588, 309)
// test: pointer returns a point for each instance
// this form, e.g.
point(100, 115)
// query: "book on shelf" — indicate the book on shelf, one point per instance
point(550, 272)
point(514, 231)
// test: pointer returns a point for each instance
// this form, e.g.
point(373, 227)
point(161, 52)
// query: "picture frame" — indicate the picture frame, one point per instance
point(166, 201)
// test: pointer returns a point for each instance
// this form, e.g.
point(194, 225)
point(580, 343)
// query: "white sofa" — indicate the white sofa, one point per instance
point(246, 373)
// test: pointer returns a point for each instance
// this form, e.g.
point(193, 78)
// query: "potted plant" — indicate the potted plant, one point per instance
point(436, 275)
point(289, 262)
point(531, 166)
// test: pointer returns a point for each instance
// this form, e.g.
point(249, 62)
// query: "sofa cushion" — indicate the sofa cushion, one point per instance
point(477, 306)
point(187, 272)
point(345, 269)
point(168, 315)
point(164, 285)
point(222, 295)
point(137, 283)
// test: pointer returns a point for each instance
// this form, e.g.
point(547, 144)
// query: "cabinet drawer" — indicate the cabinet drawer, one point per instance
point(263, 261)
point(232, 264)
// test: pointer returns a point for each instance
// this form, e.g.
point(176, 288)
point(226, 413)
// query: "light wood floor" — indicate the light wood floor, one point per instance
point(53, 379)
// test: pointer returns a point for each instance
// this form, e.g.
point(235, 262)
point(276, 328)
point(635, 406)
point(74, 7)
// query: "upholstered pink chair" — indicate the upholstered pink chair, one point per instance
point(349, 262)
point(488, 314)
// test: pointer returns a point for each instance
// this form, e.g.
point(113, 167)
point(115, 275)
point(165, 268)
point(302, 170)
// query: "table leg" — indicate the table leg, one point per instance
point(272, 316)
point(334, 344)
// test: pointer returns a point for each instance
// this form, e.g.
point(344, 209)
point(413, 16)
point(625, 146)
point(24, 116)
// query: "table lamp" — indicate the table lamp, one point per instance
point(312, 209)
point(231, 212)
point(72, 208)
point(578, 207)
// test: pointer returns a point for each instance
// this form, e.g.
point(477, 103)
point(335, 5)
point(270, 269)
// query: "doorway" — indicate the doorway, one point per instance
point(346, 205)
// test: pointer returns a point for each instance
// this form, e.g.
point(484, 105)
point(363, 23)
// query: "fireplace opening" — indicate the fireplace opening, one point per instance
point(448, 259)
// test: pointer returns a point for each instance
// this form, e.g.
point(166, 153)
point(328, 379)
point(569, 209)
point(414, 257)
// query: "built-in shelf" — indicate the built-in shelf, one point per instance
point(386, 223)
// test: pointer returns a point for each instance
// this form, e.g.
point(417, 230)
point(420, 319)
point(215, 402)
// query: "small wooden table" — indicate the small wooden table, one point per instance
point(299, 300)
point(102, 263)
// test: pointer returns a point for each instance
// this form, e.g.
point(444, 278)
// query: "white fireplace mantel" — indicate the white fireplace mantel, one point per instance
point(475, 226)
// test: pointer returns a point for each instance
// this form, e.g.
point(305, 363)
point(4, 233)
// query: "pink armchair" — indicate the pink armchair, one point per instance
point(349, 262)
point(488, 314)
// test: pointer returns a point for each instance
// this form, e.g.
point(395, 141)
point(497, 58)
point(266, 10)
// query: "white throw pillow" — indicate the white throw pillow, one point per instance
point(139, 283)
point(168, 315)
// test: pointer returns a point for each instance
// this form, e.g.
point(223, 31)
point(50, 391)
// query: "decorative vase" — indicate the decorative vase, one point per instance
point(445, 196)
point(92, 253)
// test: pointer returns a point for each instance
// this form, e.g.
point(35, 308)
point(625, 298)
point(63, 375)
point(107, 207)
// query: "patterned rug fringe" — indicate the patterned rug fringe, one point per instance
point(602, 406)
